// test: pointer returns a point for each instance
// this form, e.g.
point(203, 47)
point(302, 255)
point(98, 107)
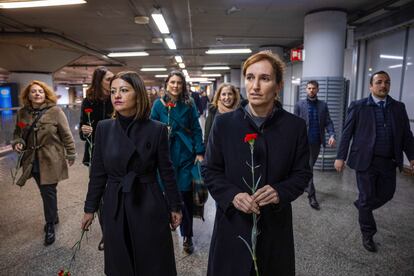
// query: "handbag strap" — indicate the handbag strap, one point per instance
point(179, 123)
point(39, 115)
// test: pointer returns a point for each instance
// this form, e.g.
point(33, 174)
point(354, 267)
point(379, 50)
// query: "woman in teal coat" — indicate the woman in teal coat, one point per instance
point(178, 111)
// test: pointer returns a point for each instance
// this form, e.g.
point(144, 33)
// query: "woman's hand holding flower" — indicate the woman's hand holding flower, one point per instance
point(266, 195)
point(245, 203)
point(87, 221)
point(86, 130)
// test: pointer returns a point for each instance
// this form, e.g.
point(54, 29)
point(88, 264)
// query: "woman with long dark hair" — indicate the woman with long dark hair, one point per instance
point(96, 106)
point(129, 150)
point(178, 111)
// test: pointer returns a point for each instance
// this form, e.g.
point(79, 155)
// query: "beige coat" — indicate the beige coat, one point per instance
point(53, 140)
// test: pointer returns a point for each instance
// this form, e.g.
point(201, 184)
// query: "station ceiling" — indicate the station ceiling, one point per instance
point(70, 41)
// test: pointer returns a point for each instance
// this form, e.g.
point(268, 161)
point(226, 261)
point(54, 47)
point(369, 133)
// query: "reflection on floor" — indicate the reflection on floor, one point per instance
point(327, 242)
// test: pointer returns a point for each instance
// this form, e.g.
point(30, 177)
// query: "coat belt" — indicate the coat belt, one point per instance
point(125, 183)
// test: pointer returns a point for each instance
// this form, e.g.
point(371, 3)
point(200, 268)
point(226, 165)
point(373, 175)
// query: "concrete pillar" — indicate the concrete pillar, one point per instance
point(227, 77)
point(324, 43)
point(235, 77)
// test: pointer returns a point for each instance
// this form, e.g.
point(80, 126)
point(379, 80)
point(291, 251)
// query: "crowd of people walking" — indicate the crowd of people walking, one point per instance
point(256, 159)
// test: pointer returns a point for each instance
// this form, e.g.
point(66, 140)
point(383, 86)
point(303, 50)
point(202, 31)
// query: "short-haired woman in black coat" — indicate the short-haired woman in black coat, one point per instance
point(281, 167)
point(128, 152)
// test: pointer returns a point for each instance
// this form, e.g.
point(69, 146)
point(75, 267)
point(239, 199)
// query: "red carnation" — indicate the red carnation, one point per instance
point(250, 137)
point(88, 110)
point(170, 104)
point(21, 124)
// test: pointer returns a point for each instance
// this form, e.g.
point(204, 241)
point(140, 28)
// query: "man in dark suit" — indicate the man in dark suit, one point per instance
point(316, 114)
point(380, 131)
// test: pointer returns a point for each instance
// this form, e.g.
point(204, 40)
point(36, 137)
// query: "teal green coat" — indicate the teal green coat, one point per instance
point(185, 139)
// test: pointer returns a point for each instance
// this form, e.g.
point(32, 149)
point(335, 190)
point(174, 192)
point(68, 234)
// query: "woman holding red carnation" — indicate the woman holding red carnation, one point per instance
point(256, 164)
point(178, 111)
point(95, 107)
point(138, 218)
point(43, 136)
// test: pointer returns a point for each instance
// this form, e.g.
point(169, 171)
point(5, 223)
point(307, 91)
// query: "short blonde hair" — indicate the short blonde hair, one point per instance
point(218, 93)
point(50, 96)
point(276, 62)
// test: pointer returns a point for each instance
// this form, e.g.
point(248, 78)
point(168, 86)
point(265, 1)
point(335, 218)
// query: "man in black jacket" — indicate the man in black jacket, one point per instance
point(380, 131)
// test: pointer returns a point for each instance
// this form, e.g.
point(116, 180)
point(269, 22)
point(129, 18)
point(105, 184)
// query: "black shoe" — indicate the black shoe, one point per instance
point(356, 204)
point(188, 245)
point(56, 222)
point(50, 234)
point(314, 203)
point(369, 244)
point(101, 245)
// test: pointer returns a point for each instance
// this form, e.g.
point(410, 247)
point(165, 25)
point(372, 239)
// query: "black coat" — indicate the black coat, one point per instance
point(101, 110)
point(137, 236)
point(360, 127)
point(212, 112)
point(283, 154)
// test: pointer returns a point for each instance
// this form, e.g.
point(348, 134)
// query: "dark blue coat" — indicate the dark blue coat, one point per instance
point(325, 122)
point(361, 128)
point(282, 152)
point(137, 236)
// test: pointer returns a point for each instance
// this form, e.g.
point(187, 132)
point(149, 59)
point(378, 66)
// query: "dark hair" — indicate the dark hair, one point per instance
point(142, 101)
point(95, 91)
point(313, 82)
point(378, 73)
point(50, 96)
point(184, 95)
point(277, 64)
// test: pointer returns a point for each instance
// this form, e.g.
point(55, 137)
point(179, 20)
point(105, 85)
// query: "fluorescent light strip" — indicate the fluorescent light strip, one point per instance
point(399, 65)
point(211, 75)
point(160, 22)
point(41, 3)
point(170, 43)
point(128, 54)
point(228, 51)
point(195, 79)
point(161, 76)
point(391, 57)
point(155, 69)
point(185, 72)
point(216, 68)
point(181, 65)
point(178, 59)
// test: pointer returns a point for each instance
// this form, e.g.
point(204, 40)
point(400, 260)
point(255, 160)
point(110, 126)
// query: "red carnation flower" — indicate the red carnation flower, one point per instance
point(88, 110)
point(21, 124)
point(250, 137)
point(170, 104)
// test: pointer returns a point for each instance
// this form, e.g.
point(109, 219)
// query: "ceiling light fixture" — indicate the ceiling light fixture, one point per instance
point(185, 72)
point(41, 3)
point(160, 22)
point(211, 75)
point(178, 59)
point(161, 76)
point(141, 20)
point(228, 51)
point(195, 79)
point(128, 54)
point(181, 65)
point(170, 43)
point(391, 57)
point(154, 69)
point(216, 68)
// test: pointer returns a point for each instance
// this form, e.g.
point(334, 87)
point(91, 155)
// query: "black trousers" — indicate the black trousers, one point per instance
point(314, 152)
point(376, 186)
point(49, 198)
point(186, 227)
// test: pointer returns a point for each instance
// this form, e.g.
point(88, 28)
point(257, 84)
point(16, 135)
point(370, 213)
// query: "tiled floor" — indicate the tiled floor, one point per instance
point(327, 242)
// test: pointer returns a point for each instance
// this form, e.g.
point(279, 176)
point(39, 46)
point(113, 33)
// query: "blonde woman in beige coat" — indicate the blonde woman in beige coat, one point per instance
point(43, 136)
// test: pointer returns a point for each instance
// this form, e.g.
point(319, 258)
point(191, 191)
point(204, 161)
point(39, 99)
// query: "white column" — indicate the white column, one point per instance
point(324, 44)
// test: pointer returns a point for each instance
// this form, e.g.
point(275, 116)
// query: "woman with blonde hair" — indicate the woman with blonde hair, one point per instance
point(226, 99)
point(43, 136)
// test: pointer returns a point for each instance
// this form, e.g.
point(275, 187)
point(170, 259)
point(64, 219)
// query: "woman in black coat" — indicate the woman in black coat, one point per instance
point(281, 170)
point(226, 99)
point(95, 107)
point(128, 152)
